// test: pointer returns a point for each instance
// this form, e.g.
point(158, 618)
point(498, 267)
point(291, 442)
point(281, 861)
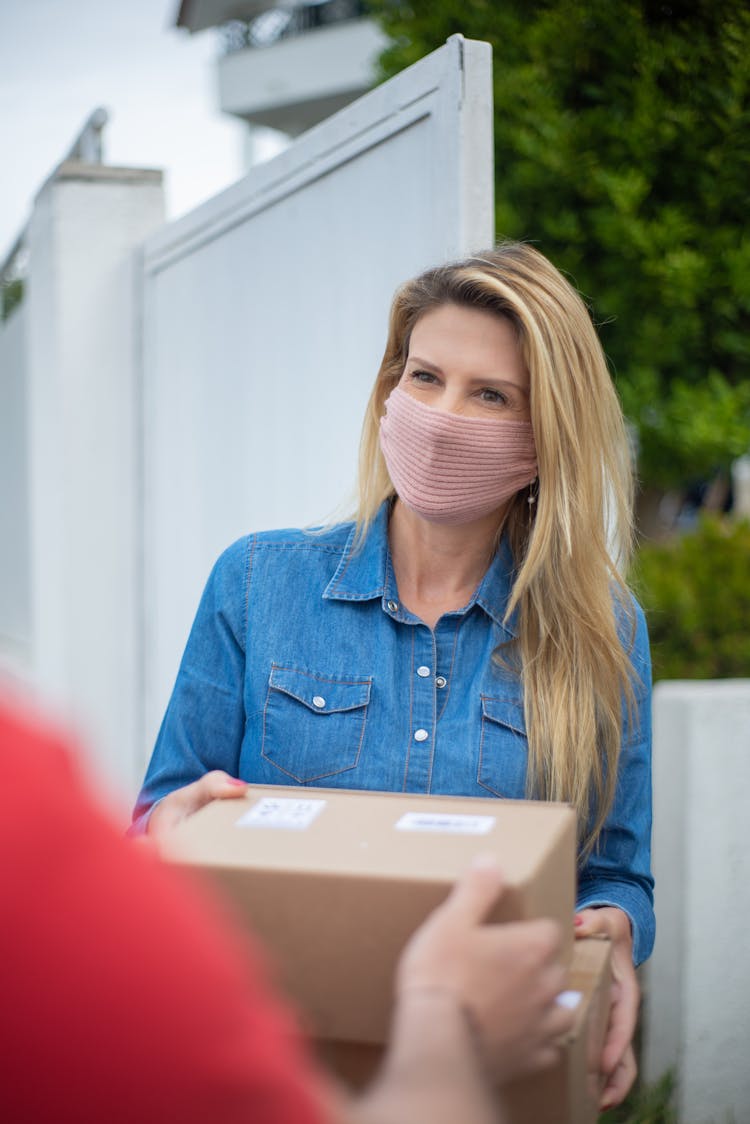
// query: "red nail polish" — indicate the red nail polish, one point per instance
point(578, 920)
point(236, 780)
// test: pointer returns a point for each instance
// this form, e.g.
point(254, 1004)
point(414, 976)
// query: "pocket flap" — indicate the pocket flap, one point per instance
point(506, 712)
point(322, 694)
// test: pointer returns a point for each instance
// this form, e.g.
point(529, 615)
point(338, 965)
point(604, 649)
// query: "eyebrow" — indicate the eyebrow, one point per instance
point(424, 363)
point(486, 381)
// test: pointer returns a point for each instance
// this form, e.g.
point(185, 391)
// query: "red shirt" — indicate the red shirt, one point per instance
point(123, 995)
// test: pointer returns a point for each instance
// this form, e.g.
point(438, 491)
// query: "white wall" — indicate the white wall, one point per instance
point(15, 591)
point(83, 369)
point(266, 316)
point(697, 986)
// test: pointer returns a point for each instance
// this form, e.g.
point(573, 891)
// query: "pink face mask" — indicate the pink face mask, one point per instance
point(449, 468)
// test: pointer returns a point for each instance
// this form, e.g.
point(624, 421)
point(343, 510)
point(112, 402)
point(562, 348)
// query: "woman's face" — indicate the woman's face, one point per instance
point(467, 361)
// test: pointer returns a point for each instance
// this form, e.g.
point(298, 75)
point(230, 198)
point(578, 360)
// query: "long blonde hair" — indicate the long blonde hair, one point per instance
point(569, 592)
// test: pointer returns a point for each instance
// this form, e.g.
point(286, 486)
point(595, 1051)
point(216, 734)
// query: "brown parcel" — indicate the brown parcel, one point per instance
point(336, 895)
point(569, 1092)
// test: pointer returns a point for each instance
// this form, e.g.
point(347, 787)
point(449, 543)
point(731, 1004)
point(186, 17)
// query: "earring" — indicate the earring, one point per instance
point(533, 493)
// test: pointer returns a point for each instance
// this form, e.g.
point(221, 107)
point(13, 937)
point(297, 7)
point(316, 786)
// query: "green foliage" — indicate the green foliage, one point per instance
point(647, 1105)
point(622, 148)
point(692, 432)
point(695, 591)
point(11, 295)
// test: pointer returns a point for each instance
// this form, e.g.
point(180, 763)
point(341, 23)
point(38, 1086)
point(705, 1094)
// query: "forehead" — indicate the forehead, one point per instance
point(468, 340)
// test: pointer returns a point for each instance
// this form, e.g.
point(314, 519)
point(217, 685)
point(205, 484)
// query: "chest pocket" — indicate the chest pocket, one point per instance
point(313, 725)
point(503, 748)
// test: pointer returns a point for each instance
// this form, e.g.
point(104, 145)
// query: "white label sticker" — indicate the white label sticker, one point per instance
point(284, 813)
point(569, 999)
point(450, 824)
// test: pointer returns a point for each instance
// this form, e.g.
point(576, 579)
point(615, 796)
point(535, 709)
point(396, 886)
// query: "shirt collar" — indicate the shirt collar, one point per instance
point(365, 573)
point(361, 573)
point(495, 588)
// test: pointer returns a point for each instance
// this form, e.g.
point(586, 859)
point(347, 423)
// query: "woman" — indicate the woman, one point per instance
point(470, 632)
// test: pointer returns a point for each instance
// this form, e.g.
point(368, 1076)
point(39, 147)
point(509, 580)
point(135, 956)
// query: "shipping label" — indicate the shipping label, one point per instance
point(283, 813)
point(449, 824)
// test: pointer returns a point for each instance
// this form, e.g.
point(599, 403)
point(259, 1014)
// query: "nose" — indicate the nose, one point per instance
point(450, 401)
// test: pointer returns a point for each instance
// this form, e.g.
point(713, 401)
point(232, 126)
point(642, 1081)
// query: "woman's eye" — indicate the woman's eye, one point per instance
point(422, 376)
point(493, 397)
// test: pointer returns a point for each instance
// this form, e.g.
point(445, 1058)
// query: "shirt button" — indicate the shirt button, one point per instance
point(440, 681)
point(421, 735)
point(423, 672)
point(318, 700)
point(392, 606)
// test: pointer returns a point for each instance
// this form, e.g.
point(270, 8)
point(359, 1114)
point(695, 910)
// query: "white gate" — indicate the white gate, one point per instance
point(265, 318)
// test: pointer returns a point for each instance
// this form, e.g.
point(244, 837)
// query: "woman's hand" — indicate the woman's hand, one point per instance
point(183, 802)
point(618, 1060)
point(506, 977)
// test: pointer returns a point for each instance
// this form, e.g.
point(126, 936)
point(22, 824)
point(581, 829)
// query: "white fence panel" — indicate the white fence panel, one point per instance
point(15, 588)
point(697, 998)
point(265, 320)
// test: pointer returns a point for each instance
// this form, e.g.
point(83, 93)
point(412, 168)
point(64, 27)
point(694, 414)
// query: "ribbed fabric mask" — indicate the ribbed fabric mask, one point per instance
point(449, 468)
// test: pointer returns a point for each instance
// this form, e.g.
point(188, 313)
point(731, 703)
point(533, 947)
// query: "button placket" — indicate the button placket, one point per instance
point(422, 732)
point(446, 641)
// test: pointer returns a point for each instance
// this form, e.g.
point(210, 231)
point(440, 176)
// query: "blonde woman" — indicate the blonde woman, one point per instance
point(470, 632)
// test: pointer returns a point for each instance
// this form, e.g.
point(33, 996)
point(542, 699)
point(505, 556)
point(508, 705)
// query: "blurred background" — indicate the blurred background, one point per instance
point(621, 148)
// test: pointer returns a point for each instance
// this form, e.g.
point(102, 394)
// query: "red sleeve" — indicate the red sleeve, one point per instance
point(124, 997)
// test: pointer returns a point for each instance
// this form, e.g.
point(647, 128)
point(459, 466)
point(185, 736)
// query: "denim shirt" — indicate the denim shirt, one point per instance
point(303, 668)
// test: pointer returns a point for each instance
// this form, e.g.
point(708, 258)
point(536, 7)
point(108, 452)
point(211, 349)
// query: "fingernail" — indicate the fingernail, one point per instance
point(236, 780)
point(569, 999)
point(578, 920)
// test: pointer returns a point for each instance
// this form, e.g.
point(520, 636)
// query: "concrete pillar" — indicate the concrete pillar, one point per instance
point(83, 332)
point(15, 612)
point(741, 487)
point(697, 984)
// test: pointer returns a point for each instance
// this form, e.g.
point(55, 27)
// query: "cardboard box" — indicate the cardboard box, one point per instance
point(334, 882)
point(568, 1093)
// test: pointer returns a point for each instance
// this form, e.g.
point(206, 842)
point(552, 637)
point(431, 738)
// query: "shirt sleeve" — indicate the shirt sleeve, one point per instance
point(126, 995)
point(204, 722)
point(618, 873)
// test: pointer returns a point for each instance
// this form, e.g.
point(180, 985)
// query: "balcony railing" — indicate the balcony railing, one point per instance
point(276, 24)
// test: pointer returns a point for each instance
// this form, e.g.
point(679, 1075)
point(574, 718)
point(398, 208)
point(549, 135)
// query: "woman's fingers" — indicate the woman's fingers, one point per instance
point(618, 1060)
point(619, 1082)
point(622, 1019)
point(185, 801)
point(216, 785)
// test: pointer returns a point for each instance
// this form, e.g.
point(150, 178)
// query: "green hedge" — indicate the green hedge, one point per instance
point(695, 591)
point(645, 1105)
